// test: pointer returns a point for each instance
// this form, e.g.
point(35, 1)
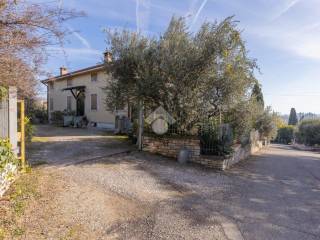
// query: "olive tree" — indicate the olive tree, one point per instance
point(194, 76)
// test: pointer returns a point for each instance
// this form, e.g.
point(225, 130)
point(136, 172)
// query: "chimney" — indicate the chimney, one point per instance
point(107, 57)
point(63, 70)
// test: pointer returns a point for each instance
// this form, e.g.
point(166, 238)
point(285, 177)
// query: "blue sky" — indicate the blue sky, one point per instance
point(283, 35)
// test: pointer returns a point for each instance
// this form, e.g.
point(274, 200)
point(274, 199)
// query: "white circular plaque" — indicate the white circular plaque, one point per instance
point(160, 126)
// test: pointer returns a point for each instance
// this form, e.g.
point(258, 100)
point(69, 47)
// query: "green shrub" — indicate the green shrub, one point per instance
point(36, 111)
point(57, 116)
point(6, 154)
point(285, 134)
point(3, 92)
point(215, 139)
point(309, 132)
point(41, 115)
point(29, 129)
point(69, 112)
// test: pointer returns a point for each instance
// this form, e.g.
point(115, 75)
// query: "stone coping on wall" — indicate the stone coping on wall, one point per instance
point(171, 147)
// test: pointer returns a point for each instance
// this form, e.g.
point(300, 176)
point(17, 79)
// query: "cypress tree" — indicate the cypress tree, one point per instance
point(293, 119)
point(257, 94)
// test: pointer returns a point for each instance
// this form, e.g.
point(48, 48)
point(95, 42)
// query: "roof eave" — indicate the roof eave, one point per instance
point(75, 73)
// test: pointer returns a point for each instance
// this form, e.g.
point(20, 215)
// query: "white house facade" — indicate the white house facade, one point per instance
point(82, 92)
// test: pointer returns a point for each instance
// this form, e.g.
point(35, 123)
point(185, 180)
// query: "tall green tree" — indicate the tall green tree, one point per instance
point(257, 94)
point(266, 124)
point(293, 119)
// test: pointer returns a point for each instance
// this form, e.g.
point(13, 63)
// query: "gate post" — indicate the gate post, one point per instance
point(22, 137)
point(13, 119)
point(141, 123)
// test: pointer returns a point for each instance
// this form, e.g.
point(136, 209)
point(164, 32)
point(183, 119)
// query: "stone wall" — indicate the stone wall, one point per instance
point(306, 148)
point(171, 147)
point(7, 176)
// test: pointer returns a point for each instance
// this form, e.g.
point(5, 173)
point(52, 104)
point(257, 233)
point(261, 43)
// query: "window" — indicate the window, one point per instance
point(94, 77)
point(51, 104)
point(51, 85)
point(69, 82)
point(94, 102)
point(69, 103)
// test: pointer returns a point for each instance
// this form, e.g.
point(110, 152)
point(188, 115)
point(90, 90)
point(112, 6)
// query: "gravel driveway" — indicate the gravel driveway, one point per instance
point(103, 191)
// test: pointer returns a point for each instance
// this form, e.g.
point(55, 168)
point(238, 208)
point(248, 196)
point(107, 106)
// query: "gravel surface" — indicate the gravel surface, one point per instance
point(95, 194)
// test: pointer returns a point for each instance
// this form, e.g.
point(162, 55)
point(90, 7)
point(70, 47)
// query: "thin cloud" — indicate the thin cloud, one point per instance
point(137, 15)
point(283, 11)
point(198, 12)
point(74, 51)
point(303, 42)
point(142, 15)
point(84, 41)
point(192, 8)
point(60, 4)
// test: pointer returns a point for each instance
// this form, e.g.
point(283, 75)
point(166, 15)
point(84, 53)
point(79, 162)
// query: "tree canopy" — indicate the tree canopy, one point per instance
point(26, 29)
point(192, 75)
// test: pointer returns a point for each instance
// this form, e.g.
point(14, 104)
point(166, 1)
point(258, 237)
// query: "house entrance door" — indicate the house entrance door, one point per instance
point(80, 104)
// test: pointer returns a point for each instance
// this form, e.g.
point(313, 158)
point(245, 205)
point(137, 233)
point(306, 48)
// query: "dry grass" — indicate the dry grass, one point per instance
point(14, 203)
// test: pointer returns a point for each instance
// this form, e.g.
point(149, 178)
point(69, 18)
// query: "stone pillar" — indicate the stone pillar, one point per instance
point(13, 121)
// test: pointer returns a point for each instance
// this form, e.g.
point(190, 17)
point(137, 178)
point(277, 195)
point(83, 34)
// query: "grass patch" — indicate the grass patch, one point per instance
point(17, 232)
point(73, 233)
point(14, 203)
point(40, 139)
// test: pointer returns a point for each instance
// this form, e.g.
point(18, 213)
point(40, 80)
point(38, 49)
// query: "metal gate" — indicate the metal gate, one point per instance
point(4, 118)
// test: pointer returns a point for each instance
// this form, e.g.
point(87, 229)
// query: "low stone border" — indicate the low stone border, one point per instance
point(171, 147)
point(7, 176)
point(305, 148)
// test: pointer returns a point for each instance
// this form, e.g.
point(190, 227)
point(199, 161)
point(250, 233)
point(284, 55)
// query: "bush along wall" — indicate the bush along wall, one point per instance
point(309, 133)
point(8, 166)
point(171, 147)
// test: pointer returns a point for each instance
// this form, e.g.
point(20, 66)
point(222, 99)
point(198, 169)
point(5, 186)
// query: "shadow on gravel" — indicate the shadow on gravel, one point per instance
point(274, 195)
point(57, 146)
point(271, 195)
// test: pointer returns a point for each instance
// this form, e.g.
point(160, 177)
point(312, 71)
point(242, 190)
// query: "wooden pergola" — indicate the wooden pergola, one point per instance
point(76, 92)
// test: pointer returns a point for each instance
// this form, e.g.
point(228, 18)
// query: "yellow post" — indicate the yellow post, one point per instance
point(22, 140)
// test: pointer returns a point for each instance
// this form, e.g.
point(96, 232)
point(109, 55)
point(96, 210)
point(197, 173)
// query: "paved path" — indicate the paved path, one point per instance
point(276, 195)
point(273, 195)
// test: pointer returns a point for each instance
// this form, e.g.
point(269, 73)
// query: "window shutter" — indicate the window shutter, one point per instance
point(94, 102)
